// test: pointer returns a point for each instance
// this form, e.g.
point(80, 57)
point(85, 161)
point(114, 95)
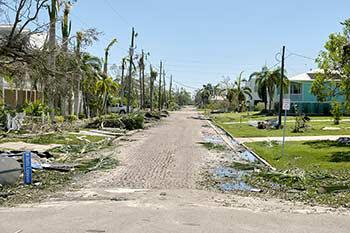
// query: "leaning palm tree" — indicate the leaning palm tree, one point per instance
point(242, 91)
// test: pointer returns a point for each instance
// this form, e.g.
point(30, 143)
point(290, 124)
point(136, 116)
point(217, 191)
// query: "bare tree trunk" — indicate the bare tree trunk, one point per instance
point(52, 57)
point(122, 82)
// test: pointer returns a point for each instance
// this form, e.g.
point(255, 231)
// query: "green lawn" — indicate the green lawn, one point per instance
point(314, 155)
point(315, 129)
point(254, 116)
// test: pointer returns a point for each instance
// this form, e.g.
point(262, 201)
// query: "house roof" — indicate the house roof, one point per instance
point(36, 40)
point(308, 76)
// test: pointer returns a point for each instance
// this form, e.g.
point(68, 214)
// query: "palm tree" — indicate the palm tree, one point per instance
point(91, 68)
point(106, 86)
point(77, 100)
point(66, 27)
point(264, 85)
point(277, 76)
point(109, 46)
point(205, 93)
point(53, 13)
point(241, 91)
point(153, 77)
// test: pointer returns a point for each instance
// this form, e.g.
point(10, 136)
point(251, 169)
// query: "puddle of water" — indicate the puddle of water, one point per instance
point(223, 172)
point(238, 186)
point(235, 183)
point(247, 155)
point(213, 139)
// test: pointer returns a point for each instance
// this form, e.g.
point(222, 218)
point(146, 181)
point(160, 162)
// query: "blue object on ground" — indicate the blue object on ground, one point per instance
point(27, 168)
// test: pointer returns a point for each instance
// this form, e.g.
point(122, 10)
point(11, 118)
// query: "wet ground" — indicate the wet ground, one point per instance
point(229, 173)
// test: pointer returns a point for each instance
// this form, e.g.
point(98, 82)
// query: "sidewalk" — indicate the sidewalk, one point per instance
point(297, 138)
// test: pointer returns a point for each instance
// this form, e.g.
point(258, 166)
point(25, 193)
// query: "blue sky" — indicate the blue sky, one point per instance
point(202, 41)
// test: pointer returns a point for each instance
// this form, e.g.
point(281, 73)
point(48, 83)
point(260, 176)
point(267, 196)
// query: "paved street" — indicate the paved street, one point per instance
point(155, 190)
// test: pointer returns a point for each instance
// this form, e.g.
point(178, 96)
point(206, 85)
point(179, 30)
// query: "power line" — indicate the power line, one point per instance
point(117, 13)
point(300, 55)
point(104, 37)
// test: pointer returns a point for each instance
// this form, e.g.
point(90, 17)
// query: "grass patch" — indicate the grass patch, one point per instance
point(64, 139)
point(98, 164)
point(45, 183)
point(314, 155)
point(315, 129)
point(213, 146)
point(55, 138)
point(255, 116)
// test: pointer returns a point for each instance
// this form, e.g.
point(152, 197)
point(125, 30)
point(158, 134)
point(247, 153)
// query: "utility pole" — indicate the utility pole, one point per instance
point(151, 86)
point(140, 82)
point(164, 90)
point(160, 87)
point(281, 89)
point(143, 81)
point(170, 89)
point(131, 54)
point(122, 82)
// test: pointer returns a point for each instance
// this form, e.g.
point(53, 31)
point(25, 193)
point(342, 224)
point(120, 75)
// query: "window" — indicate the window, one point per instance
point(295, 88)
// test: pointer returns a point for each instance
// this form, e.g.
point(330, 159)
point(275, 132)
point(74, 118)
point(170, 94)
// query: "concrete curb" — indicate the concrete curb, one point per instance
point(215, 126)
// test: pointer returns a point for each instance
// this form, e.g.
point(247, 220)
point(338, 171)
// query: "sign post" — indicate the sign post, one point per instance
point(27, 168)
point(285, 107)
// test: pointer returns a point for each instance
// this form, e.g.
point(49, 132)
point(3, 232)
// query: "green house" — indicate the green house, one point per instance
point(302, 100)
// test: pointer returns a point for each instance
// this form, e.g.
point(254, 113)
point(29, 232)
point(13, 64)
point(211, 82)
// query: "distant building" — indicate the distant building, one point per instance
point(16, 95)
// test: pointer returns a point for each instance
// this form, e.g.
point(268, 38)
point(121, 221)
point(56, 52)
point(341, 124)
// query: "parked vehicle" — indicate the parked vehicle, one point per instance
point(119, 108)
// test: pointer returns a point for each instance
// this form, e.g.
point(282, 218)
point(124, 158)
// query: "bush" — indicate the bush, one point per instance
point(259, 107)
point(130, 121)
point(71, 118)
point(133, 121)
point(336, 112)
point(154, 114)
point(81, 116)
point(59, 119)
point(36, 108)
point(173, 106)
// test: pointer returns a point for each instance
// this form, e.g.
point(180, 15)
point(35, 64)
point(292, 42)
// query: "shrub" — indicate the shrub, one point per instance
point(71, 118)
point(133, 121)
point(259, 107)
point(36, 108)
point(59, 119)
point(336, 112)
point(81, 116)
point(173, 106)
point(154, 114)
point(130, 121)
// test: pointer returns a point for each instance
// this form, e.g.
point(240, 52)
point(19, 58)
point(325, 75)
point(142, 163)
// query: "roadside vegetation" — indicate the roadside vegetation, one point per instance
point(314, 172)
point(74, 100)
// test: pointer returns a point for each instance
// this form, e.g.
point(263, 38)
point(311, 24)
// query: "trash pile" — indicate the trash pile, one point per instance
point(344, 141)
point(268, 124)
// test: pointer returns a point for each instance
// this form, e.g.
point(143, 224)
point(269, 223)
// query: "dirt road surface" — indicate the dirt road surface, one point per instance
point(155, 189)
